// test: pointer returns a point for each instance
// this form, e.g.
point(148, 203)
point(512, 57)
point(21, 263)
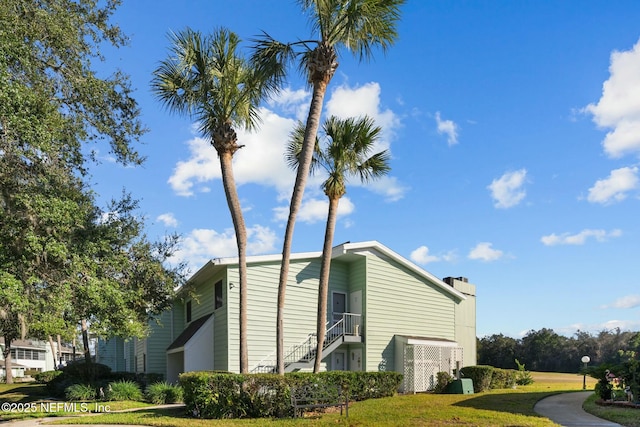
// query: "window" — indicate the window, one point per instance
point(218, 294)
point(188, 311)
point(27, 354)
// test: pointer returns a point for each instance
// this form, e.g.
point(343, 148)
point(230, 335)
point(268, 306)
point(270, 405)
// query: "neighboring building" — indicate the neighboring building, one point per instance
point(384, 313)
point(32, 355)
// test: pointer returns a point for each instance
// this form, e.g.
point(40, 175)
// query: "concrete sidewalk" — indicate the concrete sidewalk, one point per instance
point(566, 410)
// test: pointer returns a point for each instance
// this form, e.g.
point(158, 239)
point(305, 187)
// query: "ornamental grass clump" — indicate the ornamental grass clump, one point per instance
point(124, 390)
point(80, 392)
point(161, 393)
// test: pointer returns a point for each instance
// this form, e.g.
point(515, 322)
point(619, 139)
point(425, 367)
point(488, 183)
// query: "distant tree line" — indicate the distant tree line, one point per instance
point(546, 351)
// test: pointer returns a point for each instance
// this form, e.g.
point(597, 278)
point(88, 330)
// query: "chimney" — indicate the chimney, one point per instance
point(449, 280)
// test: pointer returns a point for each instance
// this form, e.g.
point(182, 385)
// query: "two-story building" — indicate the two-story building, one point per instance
point(384, 313)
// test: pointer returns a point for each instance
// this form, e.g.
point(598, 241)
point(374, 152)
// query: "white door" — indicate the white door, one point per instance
point(339, 363)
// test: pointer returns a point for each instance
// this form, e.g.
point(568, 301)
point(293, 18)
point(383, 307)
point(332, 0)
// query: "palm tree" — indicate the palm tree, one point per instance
point(347, 153)
point(204, 78)
point(356, 25)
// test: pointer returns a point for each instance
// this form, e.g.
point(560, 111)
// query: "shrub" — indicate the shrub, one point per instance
point(80, 392)
point(123, 390)
point(77, 373)
point(46, 376)
point(443, 380)
point(161, 393)
point(86, 371)
point(481, 376)
point(523, 377)
point(503, 378)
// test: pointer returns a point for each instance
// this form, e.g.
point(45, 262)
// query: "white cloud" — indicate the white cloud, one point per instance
point(580, 238)
point(202, 244)
point(261, 161)
point(449, 128)
point(294, 102)
point(265, 148)
point(507, 190)
point(387, 186)
point(422, 256)
point(314, 210)
point(168, 219)
point(484, 252)
point(618, 108)
point(348, 102)
point(614, 188)
point(629, 301)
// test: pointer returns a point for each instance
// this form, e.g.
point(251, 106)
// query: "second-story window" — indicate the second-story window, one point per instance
point(188, 311)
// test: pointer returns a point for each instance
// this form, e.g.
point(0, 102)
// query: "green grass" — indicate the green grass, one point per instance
point(32, 401)
point(495, 408)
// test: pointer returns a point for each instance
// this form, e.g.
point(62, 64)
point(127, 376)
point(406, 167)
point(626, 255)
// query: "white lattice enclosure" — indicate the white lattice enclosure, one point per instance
point(423, 362)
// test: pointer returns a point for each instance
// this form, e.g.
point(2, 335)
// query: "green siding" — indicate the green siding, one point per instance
point(221, 325)
point(202, 304)
point(300, 306)
point(178, 320)
point(157, 342)
point(111, 353)
point(398, 302)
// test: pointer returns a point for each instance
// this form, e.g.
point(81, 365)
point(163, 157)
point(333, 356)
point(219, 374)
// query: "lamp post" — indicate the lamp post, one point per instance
point(585, 360)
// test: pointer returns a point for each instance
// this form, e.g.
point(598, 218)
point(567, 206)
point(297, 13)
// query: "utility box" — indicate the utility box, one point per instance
point(461, 386)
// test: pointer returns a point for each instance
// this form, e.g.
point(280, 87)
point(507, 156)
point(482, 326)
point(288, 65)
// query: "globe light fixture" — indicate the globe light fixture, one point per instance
point(585, 360)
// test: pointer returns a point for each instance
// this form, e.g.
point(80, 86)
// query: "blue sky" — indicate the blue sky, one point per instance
point(514, 130)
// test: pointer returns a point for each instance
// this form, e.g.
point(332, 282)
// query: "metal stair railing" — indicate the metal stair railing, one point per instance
point(305, 351)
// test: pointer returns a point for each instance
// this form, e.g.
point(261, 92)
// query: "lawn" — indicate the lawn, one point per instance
point(495, 408)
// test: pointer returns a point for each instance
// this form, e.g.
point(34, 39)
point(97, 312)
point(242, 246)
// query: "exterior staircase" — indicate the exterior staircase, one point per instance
point(303, 354)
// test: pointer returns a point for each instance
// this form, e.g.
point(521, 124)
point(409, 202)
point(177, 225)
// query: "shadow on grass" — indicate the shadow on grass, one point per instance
point(515, 403)
point(23, 394)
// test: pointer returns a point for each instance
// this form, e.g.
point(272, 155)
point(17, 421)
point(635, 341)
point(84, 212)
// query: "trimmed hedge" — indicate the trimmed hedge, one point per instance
point(46, 376)
point(487, 377)
point(226, 395)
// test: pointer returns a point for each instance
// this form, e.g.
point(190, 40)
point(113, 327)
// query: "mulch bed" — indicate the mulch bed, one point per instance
point(618, 403)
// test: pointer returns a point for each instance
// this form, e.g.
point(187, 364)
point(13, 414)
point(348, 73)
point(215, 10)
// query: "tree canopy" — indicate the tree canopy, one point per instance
point(62, 258)
point(545, 350)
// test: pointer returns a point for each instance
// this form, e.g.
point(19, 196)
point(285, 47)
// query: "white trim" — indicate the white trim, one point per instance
point(433, 343)
point(337, 252)
point(347, 248)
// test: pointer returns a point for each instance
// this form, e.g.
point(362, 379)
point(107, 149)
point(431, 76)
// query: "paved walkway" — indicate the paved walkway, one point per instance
point(37, 422)
point(566, 410)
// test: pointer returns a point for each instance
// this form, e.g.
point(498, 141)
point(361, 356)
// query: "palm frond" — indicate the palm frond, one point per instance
point(271, 58)
point(362, 25)
point(294, 148)
point(207, 78)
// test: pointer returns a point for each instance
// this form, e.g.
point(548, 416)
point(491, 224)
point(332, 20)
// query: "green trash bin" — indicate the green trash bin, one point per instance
point(461, 386)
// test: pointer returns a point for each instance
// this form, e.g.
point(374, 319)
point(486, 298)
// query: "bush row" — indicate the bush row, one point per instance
point(227, 395)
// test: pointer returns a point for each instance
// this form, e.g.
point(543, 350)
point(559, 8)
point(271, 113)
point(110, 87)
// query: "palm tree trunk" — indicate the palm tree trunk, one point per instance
point(311, 130)
point(325, 269)
point(233, 201)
